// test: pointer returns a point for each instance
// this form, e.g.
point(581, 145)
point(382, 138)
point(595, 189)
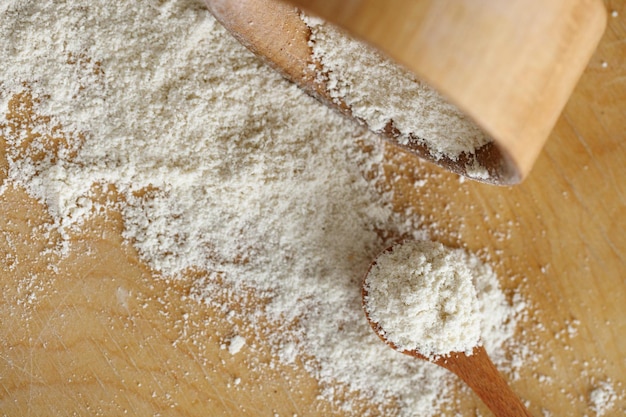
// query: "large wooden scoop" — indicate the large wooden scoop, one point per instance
point(508, 65)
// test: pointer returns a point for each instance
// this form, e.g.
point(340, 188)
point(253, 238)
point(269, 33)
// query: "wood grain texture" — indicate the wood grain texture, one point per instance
point(98, 335)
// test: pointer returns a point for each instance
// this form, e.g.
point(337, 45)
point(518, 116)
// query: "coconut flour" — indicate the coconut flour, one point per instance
point(220, 166)
point(382, 93)
point(422, 296)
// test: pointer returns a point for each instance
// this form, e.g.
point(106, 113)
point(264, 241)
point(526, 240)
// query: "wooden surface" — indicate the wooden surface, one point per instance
point(99, 336)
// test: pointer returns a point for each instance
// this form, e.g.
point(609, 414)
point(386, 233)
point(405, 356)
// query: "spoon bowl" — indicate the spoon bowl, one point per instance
point(475, 369)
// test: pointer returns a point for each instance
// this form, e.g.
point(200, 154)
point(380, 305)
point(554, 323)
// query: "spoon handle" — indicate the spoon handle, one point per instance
point(481, 375)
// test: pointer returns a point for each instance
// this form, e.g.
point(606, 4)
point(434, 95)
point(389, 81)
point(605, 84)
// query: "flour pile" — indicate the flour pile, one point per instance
point(220, 165)
point(422, 296)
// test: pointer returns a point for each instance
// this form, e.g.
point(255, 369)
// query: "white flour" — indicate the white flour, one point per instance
point(235, 344)
point(220, 165)
point(422, 296)
point(382, 93)
point(601, 398)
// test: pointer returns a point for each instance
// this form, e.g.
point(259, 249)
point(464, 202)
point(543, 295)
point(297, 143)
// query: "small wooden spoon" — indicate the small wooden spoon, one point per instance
point(510, 66)
point(476, 370)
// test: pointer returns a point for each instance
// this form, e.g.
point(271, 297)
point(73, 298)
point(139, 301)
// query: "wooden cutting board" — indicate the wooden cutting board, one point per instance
point(99, 336)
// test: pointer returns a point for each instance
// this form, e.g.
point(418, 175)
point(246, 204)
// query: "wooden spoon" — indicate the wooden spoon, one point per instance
point(476, 370)
point(510, 66)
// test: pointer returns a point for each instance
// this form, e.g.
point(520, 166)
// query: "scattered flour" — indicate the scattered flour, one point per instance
point(219, 165)
point(235, 344)
point(422, 297)
point(602, 398)
point(382, 94)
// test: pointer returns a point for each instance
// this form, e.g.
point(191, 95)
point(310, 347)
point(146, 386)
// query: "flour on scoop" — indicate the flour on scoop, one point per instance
point(382, 93)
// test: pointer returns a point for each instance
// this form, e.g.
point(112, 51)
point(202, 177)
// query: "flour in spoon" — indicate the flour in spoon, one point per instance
point(422, 297)
point(219, 166)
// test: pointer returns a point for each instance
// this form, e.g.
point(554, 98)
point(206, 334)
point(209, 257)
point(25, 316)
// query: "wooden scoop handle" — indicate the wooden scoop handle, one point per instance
point(481, 375)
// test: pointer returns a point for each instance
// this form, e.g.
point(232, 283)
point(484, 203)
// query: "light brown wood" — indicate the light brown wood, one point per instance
point(275, 33)
point(100, 336)
point(510, 66)
point(477, 371)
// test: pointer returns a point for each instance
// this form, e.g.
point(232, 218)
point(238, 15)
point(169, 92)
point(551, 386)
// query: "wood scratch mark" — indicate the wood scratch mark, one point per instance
point(208, 378)
point(582, 203)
